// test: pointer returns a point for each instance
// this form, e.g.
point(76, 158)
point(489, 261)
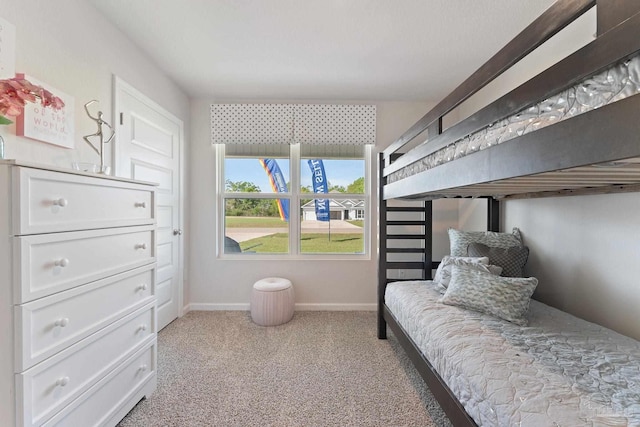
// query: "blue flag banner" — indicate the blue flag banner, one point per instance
point(278, 185)
point(319, 183)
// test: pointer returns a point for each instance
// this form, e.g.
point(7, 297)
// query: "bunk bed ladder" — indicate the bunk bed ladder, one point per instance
point(414, 241)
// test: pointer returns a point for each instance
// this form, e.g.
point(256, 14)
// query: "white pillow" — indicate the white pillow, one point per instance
point(443, 273)
point(504, 297)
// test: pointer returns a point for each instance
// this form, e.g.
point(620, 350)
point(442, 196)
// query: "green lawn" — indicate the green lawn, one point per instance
point(357, 222)
point(253, 222)
point(310, 243)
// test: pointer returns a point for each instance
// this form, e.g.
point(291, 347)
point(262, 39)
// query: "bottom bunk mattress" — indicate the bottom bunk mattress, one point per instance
point(557, 371)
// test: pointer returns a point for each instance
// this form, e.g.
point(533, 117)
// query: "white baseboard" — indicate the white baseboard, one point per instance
point(298, 307)
point(336, 307)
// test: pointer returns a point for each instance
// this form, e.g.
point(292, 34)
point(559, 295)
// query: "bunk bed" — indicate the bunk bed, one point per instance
point(573, 129)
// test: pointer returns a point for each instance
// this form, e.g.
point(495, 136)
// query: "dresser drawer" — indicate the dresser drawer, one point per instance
point(56, 382)
point(47, 201)
point(48, 325)
point(45, 264)
point(135, 378)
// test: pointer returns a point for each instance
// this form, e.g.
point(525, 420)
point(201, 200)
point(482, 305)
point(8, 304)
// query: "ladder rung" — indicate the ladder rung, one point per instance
point(405, 250)
point(405, 236)
point(405, 265)
point(414, 222)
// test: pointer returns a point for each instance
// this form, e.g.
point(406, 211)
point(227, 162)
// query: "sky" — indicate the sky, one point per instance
point(338, 172)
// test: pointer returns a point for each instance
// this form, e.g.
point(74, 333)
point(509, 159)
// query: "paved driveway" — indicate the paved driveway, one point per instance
point(337, 226)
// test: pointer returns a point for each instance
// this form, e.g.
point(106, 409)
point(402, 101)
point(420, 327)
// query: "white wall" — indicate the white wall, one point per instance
point(320, 284)
point(585, 251)
point(472, 214)
point(70, 46)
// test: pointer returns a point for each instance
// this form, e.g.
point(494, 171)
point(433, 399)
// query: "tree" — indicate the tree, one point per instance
point(248, 206)
point(240, 187)
point(356, 187)
point(336, 188)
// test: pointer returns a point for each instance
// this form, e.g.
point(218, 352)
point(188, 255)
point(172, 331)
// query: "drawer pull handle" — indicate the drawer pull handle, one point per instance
point(141, 246)
point(143, 367)
point(141, 204)
point(142, 328)
point(62, 322)
point(61, 262)
point(62, 202)
point(62, 381)
point(142, 287)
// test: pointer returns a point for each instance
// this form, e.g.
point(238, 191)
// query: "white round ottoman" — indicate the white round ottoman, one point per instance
point(272, 301)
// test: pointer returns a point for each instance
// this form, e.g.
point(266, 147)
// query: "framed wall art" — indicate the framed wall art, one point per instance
point(44, 123)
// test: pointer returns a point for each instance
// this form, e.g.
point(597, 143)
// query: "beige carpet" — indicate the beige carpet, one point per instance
point(320, 369)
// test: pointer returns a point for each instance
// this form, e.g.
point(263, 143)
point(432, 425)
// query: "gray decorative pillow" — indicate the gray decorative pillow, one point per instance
point(512, 260)
point(443, 273)
point(504, 297)
point(459, 240)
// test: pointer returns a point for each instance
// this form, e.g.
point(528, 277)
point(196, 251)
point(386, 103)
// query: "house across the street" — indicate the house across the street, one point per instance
point(339, 209)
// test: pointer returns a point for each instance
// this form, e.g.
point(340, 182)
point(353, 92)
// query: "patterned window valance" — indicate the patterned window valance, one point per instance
point(335, 124)
point(320, 124)
point(251, 123)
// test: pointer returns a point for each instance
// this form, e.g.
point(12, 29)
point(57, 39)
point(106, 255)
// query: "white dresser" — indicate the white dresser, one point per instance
point(77, 296)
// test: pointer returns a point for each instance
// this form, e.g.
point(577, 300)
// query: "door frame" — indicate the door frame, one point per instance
point(119, 84)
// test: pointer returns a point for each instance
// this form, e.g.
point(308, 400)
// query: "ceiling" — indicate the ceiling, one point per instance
point(395, 50)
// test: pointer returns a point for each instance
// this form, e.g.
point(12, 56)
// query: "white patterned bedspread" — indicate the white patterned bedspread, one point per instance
point(557, 371)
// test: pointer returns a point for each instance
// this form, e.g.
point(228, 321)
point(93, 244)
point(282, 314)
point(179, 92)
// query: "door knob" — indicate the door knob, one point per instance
point(177, 232)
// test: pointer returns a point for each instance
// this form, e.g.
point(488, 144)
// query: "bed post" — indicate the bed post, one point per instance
point(428, 240)
point(493, 214)
point(382, 251)
point(433, 130)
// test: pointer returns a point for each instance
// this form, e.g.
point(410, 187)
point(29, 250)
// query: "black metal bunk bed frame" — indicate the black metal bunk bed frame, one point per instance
point(607, 134)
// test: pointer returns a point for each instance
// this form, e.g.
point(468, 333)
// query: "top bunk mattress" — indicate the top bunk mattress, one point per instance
point(571, 129)
point(614, 84)
point(557, 371)
point(590, 98)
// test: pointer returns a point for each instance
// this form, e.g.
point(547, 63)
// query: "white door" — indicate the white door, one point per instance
point(148, 147)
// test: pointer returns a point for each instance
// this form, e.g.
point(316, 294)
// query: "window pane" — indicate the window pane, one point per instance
point(343, 233)
point(342, 176)
point(261, 170)
point(256, 226)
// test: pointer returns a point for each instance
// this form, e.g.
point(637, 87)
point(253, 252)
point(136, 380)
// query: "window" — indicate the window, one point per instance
point(293, 178)
point(280, 199)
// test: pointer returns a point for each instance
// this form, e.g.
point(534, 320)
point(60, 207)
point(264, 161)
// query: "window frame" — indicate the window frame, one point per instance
point(294, 195)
